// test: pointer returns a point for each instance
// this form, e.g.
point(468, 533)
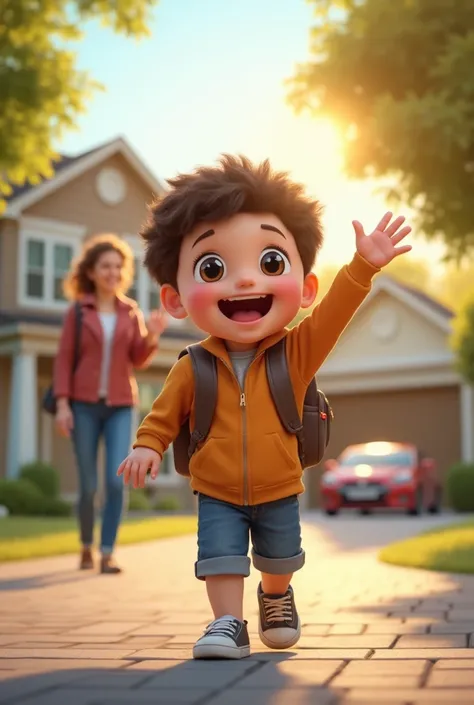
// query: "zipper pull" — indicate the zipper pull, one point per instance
point(242, 399)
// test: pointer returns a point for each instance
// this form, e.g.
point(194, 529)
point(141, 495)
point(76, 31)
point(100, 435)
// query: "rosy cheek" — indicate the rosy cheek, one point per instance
point(201, 300)
point(287, 290)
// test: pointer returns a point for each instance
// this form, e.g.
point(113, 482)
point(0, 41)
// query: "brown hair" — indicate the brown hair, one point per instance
point(77, 282)
point(219, 192)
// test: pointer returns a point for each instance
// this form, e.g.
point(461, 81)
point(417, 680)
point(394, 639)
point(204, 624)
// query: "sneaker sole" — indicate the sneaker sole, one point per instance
point(282, 645)
point(219, 651)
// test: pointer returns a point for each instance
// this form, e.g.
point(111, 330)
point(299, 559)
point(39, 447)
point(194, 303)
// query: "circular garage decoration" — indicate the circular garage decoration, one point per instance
point(111, 186)
point(385, 323)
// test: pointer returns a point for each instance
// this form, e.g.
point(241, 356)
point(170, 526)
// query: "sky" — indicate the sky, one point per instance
point(211, 79)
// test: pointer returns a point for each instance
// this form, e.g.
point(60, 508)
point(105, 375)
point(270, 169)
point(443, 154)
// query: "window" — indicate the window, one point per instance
point(35, 271)
point(46, 250)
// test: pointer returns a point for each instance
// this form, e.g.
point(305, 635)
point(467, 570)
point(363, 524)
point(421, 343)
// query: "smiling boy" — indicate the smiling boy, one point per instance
point(233, 247)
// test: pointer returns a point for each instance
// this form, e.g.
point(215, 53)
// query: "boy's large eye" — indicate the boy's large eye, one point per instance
point(273, 262)
point(209, 268)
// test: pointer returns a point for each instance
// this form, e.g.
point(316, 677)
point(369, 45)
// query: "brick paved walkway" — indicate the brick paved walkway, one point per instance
point(372, 633)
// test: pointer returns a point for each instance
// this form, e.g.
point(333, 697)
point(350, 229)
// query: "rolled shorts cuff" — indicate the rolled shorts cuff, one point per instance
point(223, 565)
point(278, 566)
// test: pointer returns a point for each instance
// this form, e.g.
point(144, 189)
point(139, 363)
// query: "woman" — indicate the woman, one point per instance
point(95, 397)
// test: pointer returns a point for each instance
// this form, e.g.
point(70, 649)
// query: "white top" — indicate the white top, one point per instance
point(108, 321)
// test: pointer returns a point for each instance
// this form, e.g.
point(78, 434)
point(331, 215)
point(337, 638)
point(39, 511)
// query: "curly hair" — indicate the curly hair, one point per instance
point(217, 193)
point(77, 281)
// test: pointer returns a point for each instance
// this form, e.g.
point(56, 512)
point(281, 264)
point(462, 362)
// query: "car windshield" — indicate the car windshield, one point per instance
point(385, 459)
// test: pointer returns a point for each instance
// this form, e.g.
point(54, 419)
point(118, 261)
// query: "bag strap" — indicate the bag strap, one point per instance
point(77, 334)
point(205, 392)
point(279, 381)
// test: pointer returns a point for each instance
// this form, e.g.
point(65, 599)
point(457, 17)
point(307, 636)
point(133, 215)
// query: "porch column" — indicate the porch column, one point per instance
point(23, 413)
point(467, 423)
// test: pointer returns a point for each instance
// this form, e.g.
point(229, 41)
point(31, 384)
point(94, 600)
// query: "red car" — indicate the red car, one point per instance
point(381, 474)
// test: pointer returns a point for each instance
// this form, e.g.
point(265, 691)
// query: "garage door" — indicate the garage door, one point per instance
point(430, 418)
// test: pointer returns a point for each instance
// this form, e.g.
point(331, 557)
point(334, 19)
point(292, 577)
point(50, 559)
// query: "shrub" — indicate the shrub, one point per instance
point(20, 497)
point(45, 477)
point(23, 498)
point(460, 486)
point(169, 503)
point(138, 501)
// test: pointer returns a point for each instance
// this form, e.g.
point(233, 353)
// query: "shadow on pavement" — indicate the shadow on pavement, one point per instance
point(162, 682)
point(42, 580)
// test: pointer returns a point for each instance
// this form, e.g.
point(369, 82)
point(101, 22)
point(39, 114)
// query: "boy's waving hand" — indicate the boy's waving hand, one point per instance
point(380, 247)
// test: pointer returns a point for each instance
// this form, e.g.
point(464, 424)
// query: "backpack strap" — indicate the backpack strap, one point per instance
point(205, 392)
point(279, 381)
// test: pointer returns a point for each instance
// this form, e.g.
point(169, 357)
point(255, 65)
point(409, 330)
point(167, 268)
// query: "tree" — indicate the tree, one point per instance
point(463, 341)
point(398, 80)
point(41, 90)
point(456, 286)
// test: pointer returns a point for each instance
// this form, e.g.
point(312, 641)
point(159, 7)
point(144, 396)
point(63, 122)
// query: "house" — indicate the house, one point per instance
point(391, 376)
point(103, 190)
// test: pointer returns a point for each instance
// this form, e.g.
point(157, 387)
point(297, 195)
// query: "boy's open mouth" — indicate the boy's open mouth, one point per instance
point(246, 310)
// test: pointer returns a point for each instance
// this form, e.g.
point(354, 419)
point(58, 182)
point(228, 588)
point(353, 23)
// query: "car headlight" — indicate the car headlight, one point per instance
point(402, 476)
point(329, 479)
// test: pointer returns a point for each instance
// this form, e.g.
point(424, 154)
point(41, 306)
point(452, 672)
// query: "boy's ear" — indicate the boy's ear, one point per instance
point(171, 301)
point(310, 290)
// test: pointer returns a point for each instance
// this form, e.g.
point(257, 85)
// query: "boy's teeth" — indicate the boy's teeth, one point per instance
point(245, 298)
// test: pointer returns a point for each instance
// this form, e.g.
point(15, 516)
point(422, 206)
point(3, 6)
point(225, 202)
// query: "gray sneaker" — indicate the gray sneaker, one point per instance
point(225, 637)
point(279, 626)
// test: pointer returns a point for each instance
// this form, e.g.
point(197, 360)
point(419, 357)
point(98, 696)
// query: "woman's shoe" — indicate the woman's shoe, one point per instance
point(109, 566)
point(87, 560)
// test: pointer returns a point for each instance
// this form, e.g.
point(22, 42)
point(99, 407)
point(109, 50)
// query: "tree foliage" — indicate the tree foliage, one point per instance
point(41, 90)
point(398, 79)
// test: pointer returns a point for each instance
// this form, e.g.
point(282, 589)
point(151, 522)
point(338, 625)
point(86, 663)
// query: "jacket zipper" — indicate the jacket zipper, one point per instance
point(243, 406)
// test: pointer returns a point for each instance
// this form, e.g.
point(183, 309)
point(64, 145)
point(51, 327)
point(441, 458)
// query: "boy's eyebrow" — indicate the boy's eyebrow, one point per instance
point(266, 226)
point(208, 233)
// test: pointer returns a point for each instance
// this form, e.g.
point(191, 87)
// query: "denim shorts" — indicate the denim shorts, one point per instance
point(223, 537)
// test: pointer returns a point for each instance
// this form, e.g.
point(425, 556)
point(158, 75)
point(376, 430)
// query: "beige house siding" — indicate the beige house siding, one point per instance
point(8, 264)
point(78, 202)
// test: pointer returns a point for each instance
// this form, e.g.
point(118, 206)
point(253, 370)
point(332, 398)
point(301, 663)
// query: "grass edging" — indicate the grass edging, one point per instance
point(447, 549)
point(24, 538)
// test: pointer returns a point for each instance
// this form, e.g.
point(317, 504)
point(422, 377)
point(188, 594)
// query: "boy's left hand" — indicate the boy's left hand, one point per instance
point(380, 247)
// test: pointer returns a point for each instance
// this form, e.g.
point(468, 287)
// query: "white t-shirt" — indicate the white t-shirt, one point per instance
point(108, 321)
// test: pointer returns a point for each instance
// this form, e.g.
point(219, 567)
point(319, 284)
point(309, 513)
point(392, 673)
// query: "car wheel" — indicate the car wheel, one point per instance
point(417, 510)
point(365, 512)
point(331, 512)
point(435, 508)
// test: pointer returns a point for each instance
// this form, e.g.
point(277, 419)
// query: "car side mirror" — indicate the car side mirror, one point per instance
point(330, 464)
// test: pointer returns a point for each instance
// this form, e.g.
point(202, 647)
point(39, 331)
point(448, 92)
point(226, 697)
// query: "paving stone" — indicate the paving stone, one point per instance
point(105, 628)
point(424, 653)
point(372, 641)
point(346, 629)
point(375, 681)
point(453, 628)
point(389, 668)
point(453, 664)
point(461, 615)
point(51, 665)
point(290, 674)
point(402, 628)
point(106, 696)
point(116, 680)
point(66, 653)
point(178, 677)
point(432, 641)
point(295, 696)
point(404, 696)
point(442, 678)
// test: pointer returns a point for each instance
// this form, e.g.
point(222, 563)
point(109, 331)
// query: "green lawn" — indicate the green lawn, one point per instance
point(36, 537)
point(450, 549)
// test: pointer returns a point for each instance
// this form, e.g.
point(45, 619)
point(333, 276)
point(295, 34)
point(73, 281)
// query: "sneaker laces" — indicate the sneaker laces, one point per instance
point(224, 626)
point(278, 609)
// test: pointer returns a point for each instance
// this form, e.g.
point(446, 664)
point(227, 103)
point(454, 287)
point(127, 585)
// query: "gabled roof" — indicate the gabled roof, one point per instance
point(415, 299)
point(69, 167)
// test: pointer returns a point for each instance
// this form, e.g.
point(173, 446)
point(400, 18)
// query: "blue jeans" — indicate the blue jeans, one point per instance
point(91, 421)
point(223, 537)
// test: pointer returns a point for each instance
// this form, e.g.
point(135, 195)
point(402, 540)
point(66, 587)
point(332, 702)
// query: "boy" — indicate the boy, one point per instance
point(233, 247)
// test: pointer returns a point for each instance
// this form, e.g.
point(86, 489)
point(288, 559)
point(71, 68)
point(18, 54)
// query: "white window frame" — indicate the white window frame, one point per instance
point(144, 279)
point(50, 233)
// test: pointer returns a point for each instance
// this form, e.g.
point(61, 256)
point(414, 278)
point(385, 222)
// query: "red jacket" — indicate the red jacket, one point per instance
point(131, 349)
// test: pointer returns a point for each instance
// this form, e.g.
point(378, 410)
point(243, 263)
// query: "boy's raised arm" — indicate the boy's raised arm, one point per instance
point(310, 343)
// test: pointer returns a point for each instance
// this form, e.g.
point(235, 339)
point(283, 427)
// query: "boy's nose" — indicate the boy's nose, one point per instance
point(245, 281)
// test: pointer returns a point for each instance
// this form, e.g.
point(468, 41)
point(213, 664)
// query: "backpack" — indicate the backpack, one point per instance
point(312, 432)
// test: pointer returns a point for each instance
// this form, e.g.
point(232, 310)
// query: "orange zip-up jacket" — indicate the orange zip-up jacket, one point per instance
point(248, 457)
